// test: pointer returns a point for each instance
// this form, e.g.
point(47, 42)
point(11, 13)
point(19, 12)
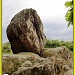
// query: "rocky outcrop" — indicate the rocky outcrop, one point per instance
point(11, 62)
point(62, 52)
point(27, 63)
point(25, 32)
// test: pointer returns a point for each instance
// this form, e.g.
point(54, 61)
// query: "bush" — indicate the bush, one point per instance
point(56, 43)
point(6, 48)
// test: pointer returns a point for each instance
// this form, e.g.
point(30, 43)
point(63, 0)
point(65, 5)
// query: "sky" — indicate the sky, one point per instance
point(51, 12)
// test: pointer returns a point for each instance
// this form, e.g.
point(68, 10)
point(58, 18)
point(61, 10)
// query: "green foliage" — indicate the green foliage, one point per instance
point(6, 48)
point(69, 3)
point(56, 43)
point(69, 14)
point(52, 43)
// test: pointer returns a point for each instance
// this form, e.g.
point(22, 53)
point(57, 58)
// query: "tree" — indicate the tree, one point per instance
point(69, 14)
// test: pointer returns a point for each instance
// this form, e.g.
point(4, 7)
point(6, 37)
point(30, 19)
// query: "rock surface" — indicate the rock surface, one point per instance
point(27, 63)
point(62, 52)
point(11, 62)
point(25, 32)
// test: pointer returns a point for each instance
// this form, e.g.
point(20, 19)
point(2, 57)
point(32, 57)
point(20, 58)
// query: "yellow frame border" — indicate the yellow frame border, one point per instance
point(74, 34)
point(1, 36)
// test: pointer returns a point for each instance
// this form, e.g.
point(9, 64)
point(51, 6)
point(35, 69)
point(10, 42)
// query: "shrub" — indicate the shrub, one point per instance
point(6, 48)
point(56, 43)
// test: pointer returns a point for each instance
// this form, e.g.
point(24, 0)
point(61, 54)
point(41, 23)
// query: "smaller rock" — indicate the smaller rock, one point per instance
point(27, 64)
point(66, 68)
point(59, 52)
point(23, 71)
point(69, 72)
point(9, 65)
point(11, 62)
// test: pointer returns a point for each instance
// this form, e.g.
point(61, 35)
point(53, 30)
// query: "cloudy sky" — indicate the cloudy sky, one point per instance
point(51, 12)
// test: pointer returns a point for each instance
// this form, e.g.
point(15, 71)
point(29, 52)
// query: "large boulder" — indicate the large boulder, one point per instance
point(25, 32)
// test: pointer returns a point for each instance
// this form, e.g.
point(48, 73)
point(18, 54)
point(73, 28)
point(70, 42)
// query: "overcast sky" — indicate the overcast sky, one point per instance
point(51, 12)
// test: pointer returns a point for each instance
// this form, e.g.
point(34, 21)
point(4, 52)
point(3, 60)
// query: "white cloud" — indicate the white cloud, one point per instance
point(51, 12)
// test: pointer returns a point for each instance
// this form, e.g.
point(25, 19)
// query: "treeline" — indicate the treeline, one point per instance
point(56, 43)
point(6, 47)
